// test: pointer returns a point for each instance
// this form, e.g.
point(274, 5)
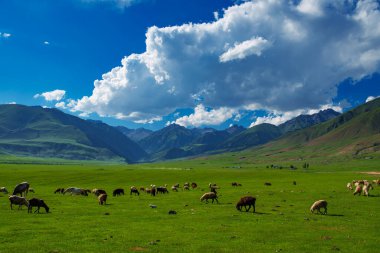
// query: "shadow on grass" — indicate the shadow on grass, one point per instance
point(335, 215)
point(260, 213)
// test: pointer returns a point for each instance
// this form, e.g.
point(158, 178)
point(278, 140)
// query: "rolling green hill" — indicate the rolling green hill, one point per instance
point(42, 132)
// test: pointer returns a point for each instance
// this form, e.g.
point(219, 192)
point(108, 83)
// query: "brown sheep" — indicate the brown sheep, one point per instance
point(98, 192)
point(59, 190)
point(209, 195)
point(246, 201)
point(16, 200)
point(21, 188)
point(102, 198)
point(38, 203)
point(118, 192)
point(318, 205)
point(134, 190)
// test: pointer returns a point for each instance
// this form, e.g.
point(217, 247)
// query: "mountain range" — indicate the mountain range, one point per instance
point(34, 131)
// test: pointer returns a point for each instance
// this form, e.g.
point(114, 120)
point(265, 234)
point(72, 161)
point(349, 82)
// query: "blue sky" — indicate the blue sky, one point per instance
point(196, 63)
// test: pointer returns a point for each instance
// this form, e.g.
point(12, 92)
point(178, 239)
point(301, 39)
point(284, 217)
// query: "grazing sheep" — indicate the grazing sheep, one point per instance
point(38, 203)
point(134, 190)
point(267, 184)
point(20, 188)
point(358, 190)
point(59, 190)
point(318, 205)
point(171, 212)
point(98, 192)
point(246, 201)
point(377, 181)
point(366, 189)
point(349, 186)
point(174, 188)
point(186, 187)
point(4, 190)
point(102, 198)
point(31, 190)
point(209, 195)
point(176, 185)
point(75, 191)
point(16, 200)
point(186, 184)
point(152, 206)
point(162, 189)
point(148, 190)
point(194, 185)
point(235, 184)
point(142, 189)
point(213, 187)
point(118, 192)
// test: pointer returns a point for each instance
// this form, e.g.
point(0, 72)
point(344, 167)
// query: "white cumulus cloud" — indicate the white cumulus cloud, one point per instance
point(278, 117)
point(295, 54)
point(55, 95)
point(246, 48)
point(118, 3)
point(370, 98)
point(202, 117)
point(5, 35)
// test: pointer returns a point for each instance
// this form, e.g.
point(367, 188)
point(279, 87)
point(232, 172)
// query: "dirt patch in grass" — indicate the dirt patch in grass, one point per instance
point(137, 249)
point(377, 173)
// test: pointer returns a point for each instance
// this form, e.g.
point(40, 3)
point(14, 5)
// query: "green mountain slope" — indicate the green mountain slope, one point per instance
point(172, 136)
point(354, 133)
point(253, 136)
point(35, 131)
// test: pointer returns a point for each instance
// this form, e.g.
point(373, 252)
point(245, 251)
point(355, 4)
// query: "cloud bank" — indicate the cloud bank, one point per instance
point(55, 95)
point(281, 56)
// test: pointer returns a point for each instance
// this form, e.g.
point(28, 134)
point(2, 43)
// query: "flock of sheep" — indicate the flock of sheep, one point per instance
point(361, 186)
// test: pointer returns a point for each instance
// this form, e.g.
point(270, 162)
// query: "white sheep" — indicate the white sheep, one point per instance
point(349, 186)
point(318, 205)
point(209, 195)
point(366, 189)
point(358, 189)
point(3, 190)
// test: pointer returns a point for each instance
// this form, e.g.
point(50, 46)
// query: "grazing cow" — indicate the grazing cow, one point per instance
point(38, 203)
point(134, 191)
point(246, 201)
point(20, 188)
point(102, 198)
point(194, 185)
point(16, 200)
point(75, 191)
point(4, 190)
point(118, 192)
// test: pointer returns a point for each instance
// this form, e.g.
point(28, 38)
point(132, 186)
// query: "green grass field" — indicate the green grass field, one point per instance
point(282, 222)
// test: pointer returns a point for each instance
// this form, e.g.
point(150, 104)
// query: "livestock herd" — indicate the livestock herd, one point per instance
point(22, 189)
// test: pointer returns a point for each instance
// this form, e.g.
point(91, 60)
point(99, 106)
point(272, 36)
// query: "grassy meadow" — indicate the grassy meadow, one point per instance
point(282, 222)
